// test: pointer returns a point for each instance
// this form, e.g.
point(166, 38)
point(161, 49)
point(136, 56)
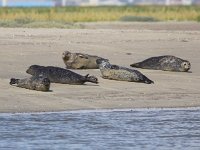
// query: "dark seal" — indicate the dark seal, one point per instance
point(115, 72)
point(165, 63)
point(80, 60)
point(37, 83)
point(60, 75)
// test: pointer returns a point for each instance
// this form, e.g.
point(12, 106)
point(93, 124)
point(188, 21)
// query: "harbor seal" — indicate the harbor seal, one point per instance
point(37, 83)
point(60, 75)
point(80, 60)
point(165, 63)
point(115, 72)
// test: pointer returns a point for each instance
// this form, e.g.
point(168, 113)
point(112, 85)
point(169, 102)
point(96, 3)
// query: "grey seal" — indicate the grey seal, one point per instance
point(37, 83)
point(115, 72)
point(80, 60)
point(165, 63)
point(60, 75)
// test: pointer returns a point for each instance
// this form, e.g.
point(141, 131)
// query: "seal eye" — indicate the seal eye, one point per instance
point(82, 56)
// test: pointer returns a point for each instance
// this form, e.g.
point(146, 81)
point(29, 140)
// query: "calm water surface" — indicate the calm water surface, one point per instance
point(95, 130)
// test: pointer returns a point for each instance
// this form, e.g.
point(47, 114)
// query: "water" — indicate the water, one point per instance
point(100, 130)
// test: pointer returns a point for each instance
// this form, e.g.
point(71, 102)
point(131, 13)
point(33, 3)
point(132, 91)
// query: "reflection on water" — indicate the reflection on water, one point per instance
point(125, 129)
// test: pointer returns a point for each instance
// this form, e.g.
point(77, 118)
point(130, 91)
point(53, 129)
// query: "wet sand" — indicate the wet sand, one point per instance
point(122, 44)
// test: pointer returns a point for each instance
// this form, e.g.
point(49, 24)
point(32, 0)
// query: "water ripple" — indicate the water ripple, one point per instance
point(135, 129)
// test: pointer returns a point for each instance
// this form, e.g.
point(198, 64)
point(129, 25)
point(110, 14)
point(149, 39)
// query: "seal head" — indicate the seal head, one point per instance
point(35, 70)
point(103, 63)
point(185, 66)
point(68, 56)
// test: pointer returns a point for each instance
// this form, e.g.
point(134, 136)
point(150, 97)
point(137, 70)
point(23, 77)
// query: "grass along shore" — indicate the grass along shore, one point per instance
point(65, 17)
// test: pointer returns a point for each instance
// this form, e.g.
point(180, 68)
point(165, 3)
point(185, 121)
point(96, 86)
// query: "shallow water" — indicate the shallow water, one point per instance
point(122, 129)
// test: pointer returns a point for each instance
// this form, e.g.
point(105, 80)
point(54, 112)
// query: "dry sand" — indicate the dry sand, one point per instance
point(21, 48)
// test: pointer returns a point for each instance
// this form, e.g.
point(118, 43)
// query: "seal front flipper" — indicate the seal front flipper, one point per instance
point(115, 67)
point(105, 77)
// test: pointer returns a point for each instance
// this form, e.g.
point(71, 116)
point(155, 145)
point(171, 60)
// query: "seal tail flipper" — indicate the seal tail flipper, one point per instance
point(148, 81)
point(13, 81)
point(92, 79)
point(136, 65)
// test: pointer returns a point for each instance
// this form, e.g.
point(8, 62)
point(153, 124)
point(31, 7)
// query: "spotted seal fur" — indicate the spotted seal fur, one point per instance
point(115, 72)
point(165, 63)
point(37, 83)
point(80, 60)
point(60, 75)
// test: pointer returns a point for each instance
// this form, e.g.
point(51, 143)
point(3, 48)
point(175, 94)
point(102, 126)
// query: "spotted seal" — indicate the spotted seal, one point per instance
point(60, 75)
point(115, 72)
point(37, 83)
point(80, 60)
point(165, 63)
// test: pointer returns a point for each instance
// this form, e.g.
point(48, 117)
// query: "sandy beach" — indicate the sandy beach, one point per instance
point(122, 44)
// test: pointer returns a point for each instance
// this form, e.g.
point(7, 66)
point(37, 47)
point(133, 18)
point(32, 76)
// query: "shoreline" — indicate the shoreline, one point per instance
point(122, 45)
point(103, 110)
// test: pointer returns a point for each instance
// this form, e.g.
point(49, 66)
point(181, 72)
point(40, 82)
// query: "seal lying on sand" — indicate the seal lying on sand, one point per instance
point(115, 72)
point(80, 60)
point(37, 83)
point(60, 75)
point(165, 63)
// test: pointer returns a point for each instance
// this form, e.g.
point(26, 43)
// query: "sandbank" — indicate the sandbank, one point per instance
point(122, 44)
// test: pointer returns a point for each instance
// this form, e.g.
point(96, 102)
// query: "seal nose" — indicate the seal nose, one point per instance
point(27, 71)
point(66, 53)
point(98, 61)
point(46, 81)
point(189, 65)
point(63, 54)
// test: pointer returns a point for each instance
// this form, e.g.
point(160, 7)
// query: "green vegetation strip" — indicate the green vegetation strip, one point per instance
point(65, 17)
